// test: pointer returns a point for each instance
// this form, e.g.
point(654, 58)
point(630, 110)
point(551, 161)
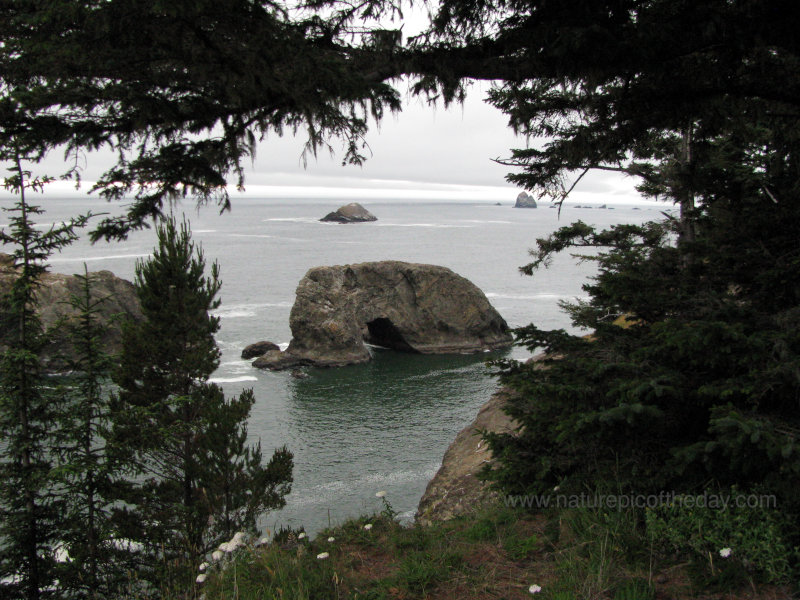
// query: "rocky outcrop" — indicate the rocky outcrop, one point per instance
point(258, 349)
point(455, 490)
point(350, 213)
point(525, 200)
point(402, 306)
point(53, 306)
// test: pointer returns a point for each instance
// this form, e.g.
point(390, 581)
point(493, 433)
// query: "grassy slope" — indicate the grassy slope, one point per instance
point(497, 554)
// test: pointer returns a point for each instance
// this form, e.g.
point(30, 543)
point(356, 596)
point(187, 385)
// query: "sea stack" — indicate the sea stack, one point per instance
point(525, 200)
point(350, 213)
point(407, 307)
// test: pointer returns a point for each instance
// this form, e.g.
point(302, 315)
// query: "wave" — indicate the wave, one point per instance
point(96, 258)
point(232, 379)
point(376, 481)
point(435, 225)
point(238, 311)
point(292, 220)
point(482, 221)
point(531, 297)
point(250, 235)
point(204, 231)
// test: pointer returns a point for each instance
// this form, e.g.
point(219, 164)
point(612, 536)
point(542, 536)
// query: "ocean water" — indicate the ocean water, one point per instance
point(383, 425)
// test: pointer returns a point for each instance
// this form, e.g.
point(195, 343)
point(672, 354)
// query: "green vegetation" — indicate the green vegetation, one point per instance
point(572, 554)
point(30, 522)
point(111, 491)
point(195, 481)
point(695, 395)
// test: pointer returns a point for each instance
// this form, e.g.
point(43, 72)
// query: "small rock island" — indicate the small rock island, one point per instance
point(403, 306)
point(350, 213)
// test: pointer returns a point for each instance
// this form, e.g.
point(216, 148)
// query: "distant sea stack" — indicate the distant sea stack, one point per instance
point(403, 306)
point(350, 213)
point(525, 200)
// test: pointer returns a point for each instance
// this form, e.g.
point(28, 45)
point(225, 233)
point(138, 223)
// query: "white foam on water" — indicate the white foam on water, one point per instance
point(238, 311)
point(204, 231)
point(433, 225)
point(527, 297)
point(95, 258)
point(292, 220)
point(376, 481)
point(482, 221)
point(232, 379)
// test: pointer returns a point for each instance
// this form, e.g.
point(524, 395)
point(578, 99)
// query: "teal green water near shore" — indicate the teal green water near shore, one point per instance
point(383, 425)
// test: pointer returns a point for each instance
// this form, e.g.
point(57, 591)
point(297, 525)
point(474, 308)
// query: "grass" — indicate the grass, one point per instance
point(497, 554)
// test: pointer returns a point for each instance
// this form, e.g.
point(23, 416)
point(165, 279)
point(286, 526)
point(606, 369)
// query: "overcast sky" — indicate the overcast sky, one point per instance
point(423, 151)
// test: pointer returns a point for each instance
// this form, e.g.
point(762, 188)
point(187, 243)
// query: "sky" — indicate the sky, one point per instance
point(423, 152)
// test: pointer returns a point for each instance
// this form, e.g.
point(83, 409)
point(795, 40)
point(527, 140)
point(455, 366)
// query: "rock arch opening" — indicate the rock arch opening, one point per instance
point(382, 332)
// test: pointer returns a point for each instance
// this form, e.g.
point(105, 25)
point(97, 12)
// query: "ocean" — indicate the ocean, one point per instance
point(381, 426)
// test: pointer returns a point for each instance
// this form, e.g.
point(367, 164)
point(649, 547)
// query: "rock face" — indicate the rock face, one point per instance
point(258, 349)
point(54, 295)
point(455, 490)
point(350, 213)
point(402, 306)
point(525, 200)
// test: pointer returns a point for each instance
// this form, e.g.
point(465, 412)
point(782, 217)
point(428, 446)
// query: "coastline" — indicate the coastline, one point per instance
point(455, 490)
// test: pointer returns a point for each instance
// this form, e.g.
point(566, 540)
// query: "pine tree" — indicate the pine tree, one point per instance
point(186, 440)
point(29, 527)
point(87, 479)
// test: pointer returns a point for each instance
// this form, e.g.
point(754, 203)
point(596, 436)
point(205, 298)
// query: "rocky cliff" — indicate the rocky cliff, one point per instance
point(53, 305)
point(455, 490)
point(403, 306)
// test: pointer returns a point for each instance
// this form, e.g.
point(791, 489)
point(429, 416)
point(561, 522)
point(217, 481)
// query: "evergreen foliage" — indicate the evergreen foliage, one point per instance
point(182, 91)
point(198, 480)
point(87, 479)
point(29, 510)
point(689, 381)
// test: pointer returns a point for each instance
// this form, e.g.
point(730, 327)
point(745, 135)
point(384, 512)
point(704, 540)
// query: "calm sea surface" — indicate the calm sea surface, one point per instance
point(380, 426)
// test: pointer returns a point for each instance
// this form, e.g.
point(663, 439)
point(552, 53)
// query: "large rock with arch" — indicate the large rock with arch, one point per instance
point(403, 306)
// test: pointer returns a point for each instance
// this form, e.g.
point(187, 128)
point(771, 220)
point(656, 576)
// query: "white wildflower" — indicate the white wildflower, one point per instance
point(238, 537)
point(725, 552)
point(368, 526)
point(380, 494)
point(331, 540)
point(323, 555)
point(535, 589)
point(203, 566)
point(216, 555)
point(301, 535)
point(262, 542)
point(200, 578)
